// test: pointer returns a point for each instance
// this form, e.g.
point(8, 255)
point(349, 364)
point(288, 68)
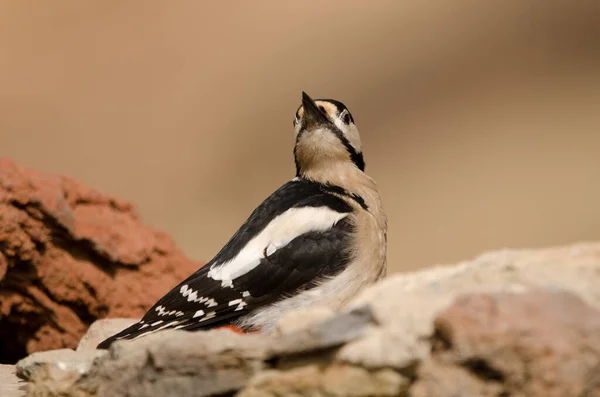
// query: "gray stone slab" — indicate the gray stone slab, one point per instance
point(10, 384)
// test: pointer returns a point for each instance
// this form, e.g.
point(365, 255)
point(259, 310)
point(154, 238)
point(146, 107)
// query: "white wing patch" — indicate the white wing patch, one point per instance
point(271, 249)
point(192, 296)
point(278, 233)
point(239, 302)
point(164, 312)
point(208, 316)
point(167, 325)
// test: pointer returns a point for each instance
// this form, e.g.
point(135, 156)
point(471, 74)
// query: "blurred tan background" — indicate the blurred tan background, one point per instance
point(480, 120)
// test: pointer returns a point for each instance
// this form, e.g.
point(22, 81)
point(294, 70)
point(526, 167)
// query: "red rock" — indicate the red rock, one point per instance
point(70, 255)
point(540, 343)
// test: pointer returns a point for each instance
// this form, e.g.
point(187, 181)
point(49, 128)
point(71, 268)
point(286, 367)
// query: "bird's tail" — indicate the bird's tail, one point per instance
point(140, 329)
point(130, 332)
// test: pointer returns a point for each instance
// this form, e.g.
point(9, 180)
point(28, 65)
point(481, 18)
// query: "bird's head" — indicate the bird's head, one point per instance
point(325, 135)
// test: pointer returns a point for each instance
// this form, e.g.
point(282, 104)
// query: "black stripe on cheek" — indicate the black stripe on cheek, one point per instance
point(356, 157)
point(296, 151)
point(296, 161)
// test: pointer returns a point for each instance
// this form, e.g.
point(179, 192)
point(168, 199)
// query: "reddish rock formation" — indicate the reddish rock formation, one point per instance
point(70, 255)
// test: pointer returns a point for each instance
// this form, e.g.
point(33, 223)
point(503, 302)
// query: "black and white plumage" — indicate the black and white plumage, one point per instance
point(317, 239)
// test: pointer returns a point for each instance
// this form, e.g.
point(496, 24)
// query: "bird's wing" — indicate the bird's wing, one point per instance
point(297, 236)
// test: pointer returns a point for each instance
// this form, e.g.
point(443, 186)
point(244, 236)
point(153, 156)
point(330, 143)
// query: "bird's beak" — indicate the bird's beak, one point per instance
point(313, 116)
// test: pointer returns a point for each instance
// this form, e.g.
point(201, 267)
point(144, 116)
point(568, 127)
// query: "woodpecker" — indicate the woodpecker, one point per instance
point(318, 239)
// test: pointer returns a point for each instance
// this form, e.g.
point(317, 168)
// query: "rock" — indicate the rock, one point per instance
point(510, 323)
point(332, 332)
point(64, 359)
point(405, 305)
point(168, 363)
point(332, 381)
point(102, 329)
point(440, 380)
point(540, 343)
point(70, 255)
point(10, 384)
point(302, 318)
point(51, 381)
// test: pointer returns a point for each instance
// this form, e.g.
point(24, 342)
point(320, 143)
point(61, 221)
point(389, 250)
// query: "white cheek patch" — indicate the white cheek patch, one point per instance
point(282, 229)
point(350, 132)
point(297, 127)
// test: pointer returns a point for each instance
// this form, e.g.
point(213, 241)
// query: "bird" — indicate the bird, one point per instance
point(317, 240)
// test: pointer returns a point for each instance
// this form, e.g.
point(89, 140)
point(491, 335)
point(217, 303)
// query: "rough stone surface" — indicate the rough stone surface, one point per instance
point(65, 359)
point(61, 384)
point(540, 343)
point(302, 319)
point(330, 381)
point(331, 332)
point(70, 255)
point(167, 363)
point(102, 329)
point(405, 305)
point(507, 324)
point(10, 384)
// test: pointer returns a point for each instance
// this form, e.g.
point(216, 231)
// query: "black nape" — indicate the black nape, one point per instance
point(358, 159)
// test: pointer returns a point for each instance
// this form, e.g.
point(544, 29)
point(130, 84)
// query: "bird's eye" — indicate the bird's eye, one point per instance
point(346, 117)
point(323, 109)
